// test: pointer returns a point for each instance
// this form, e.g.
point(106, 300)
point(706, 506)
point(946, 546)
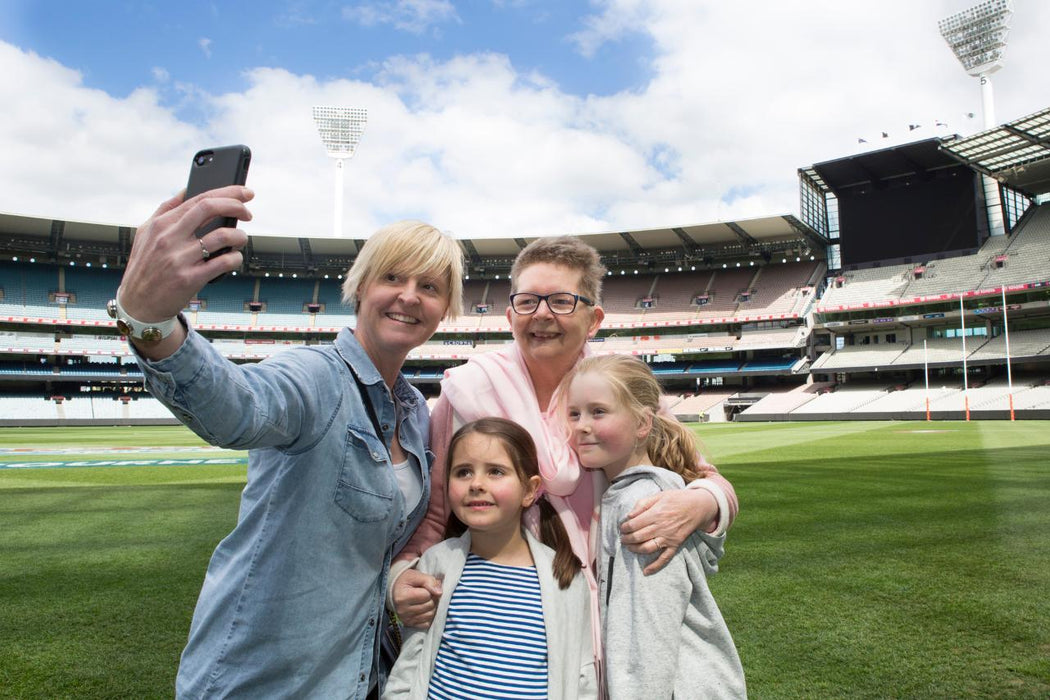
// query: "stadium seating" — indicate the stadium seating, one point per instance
point(865, 287)
point(228, 295)
point(845, 399)
point(858, 356)
point(91, 286)
point(621, 296)
point(754, 333)
point(707, 403)
point(1022, 344)
point(938, 350)
point(286, 295)
point(778, 404)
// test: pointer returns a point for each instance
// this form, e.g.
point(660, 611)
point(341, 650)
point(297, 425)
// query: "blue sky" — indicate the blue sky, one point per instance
point(486, 117)
point(211, 44)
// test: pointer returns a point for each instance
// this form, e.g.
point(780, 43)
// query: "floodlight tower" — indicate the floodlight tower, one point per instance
point(340, 129)
point(977, 37)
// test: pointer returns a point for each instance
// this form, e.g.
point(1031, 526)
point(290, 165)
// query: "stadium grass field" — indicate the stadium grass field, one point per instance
point(870, 560)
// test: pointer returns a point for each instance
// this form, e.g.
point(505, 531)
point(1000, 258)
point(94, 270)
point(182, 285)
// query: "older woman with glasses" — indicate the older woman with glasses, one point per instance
point(554, 310)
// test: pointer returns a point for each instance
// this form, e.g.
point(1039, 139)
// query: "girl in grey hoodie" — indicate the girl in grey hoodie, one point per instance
point(663, 634)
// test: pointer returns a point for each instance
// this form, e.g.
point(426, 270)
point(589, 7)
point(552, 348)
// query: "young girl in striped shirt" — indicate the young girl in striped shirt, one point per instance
point(513, 620)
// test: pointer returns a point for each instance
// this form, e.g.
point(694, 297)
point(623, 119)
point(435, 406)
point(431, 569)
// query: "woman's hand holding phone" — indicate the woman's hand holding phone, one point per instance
point(190, 240)
point(167, 266)
point(214, 168)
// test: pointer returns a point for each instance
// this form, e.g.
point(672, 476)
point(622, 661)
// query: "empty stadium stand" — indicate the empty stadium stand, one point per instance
point(748, 320)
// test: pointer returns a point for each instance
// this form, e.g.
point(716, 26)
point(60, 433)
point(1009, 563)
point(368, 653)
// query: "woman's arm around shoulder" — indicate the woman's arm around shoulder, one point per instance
point(412, 594)
point(410, 676)
point(660, 523)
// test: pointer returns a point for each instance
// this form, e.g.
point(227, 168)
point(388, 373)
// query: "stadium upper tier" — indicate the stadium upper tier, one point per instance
point(53, 295)
point(1020, 259)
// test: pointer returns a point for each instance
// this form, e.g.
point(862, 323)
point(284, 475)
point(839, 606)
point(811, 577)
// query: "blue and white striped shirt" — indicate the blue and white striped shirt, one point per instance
point(494, 644)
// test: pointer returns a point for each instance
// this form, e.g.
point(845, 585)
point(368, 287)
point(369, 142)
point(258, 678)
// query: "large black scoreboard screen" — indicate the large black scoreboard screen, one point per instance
point(908, 203)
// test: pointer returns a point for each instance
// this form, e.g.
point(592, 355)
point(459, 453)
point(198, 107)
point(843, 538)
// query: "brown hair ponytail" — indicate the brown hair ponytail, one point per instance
point(554, 535)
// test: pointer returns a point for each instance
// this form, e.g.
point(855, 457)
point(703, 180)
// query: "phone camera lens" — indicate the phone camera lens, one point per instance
point(202, 159)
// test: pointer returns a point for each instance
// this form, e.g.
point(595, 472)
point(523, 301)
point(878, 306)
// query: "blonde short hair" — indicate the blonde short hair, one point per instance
point(408, 248)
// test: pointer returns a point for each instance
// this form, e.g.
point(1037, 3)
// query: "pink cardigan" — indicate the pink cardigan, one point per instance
point(498, 384)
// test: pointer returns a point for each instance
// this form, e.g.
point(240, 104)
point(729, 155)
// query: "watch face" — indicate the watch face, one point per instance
point(123, 327)
point(151, 334)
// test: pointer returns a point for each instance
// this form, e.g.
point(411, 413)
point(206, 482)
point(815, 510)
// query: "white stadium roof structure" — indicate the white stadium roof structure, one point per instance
point(1016, 154)
point(764, 238)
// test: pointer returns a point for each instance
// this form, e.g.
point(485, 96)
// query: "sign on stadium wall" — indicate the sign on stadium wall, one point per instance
point(934, 298)
point(998, 309)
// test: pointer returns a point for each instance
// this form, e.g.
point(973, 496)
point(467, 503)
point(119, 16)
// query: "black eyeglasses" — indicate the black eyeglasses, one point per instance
point(561, 303)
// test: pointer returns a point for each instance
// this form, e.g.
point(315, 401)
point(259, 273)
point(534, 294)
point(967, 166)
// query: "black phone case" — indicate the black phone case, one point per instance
point(218, 167)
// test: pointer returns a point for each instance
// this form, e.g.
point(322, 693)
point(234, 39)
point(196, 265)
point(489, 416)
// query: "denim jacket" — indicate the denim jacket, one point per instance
point(293, 597)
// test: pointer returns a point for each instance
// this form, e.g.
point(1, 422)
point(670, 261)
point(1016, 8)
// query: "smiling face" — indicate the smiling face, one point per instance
point(396, 313)
point(485, 490)
point(605, 434)
point(547, 339)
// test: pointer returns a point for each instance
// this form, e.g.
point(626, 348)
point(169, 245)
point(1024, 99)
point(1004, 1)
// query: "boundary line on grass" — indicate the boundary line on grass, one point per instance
point(125, 463)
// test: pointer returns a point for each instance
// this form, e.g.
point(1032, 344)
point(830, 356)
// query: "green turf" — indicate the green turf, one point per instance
point(100, 567)
point(869, 560)
point(114, 436)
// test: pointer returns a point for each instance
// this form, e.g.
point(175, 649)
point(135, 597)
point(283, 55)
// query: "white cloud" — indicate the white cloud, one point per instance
point(738, 100)
point(414, 16)
point(205, 46)
point(296, 14)
point(617, 20)
point(76, 153)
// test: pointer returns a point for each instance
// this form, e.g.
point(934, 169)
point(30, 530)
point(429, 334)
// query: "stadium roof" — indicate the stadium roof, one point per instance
point(1016, 154)
point(872, 168)
point(62, 241)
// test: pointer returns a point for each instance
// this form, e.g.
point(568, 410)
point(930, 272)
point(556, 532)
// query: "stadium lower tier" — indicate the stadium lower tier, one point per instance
point(1029, 398)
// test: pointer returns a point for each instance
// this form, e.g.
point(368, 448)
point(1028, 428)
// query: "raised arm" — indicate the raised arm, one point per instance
point(226, 404)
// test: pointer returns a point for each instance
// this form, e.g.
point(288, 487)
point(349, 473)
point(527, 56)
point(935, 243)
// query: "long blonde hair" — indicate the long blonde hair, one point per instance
point(669, 444)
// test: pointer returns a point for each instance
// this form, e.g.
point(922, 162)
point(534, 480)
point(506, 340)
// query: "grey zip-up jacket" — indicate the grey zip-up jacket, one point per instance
point(566, 616)
point(663, 634)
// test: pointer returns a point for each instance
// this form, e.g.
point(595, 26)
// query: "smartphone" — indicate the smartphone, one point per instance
point(218, 167)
